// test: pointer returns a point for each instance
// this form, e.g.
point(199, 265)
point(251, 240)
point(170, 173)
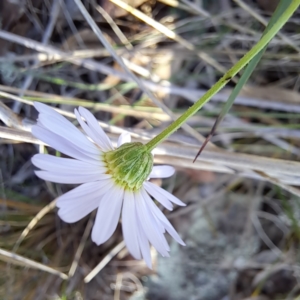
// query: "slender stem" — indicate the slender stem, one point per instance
point(226, 77)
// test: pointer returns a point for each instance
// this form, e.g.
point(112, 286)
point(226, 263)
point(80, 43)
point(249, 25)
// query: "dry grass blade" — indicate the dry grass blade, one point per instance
point(241, 164)
point(118, 286)
point(196, 8)
point(264, 236)
point(175, 3)
point(242, 82)
point(177, 50)
point(9, 118)
point(19, 205)
point(292, 190)
point(137, 112)
point(5, 131)
point(21, 136)
point(167, 88)
point(262, 20)
point(92, 65)
point(131, 75)
point(25, 262)
point(6, 95)
point(233, 160)
point(104, 261)
point(33, 222)
point(81, 246)
point(45, 40)
point(61, 55)
point(18, 135)
point(114, 27)
point(169, 33)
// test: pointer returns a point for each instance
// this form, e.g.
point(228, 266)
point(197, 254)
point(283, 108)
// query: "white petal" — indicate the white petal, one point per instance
point(68, 131)
point(43, 108)
point(56, 123)
point(80, 201)
point(144, 246)
point(162, 218)
point(149, 226)
point(158, 196)
point(155, 223)
point(147, 199)
point(153, 190)
point(162, 172)
point(66, 165)
point(173, 233)
point(61, 144)
point(70, 178)
point(108, 215)
point(92, 133)
point(84, 190)
point(124, 138)
point(95, 127)
point(129, 225)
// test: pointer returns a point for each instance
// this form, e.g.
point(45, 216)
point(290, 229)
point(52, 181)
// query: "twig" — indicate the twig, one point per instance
point(33, 222)
point(104, 261)
point(23, 261)
point(114, 26)
point(9, 118)
point(81, 245)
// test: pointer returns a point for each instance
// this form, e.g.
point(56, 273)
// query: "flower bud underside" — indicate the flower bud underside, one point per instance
point(129, 165)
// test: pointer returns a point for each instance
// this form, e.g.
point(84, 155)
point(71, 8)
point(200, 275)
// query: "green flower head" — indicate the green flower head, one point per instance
point(129, 165)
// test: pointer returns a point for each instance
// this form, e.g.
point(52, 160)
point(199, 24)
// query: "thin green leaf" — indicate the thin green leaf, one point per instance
point(281, 8)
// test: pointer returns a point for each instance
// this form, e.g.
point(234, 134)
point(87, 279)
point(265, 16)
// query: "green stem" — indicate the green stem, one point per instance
point(226, 78)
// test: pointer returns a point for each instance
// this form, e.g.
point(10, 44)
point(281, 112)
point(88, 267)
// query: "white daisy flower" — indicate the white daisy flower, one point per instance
point(113, 180)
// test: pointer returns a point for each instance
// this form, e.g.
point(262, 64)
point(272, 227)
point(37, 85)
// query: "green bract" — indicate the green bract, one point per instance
point(129, 165)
